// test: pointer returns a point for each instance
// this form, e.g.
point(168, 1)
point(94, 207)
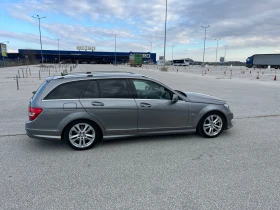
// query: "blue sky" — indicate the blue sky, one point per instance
point(247, 26)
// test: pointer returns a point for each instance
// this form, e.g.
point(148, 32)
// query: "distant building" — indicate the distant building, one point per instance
point(52, 56)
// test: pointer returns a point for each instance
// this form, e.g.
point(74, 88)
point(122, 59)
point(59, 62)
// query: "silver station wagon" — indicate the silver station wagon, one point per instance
point(83, 108)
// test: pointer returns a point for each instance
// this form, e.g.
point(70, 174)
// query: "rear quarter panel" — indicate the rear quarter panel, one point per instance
point(56, 113)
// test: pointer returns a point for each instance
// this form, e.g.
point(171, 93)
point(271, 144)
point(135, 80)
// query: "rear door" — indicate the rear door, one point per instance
point(110, 101)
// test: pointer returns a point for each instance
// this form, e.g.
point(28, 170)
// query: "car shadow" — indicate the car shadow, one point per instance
point(37, 144)
point(153, 138)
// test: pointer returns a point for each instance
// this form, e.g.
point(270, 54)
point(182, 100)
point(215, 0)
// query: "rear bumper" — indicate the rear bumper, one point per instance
point(48, 137)
point(41, 134)
point(34, 134)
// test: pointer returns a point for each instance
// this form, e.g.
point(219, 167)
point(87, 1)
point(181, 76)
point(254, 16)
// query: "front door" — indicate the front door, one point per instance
point(156, 111)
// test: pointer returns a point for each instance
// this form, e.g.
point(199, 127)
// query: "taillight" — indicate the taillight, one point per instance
point(34, 113)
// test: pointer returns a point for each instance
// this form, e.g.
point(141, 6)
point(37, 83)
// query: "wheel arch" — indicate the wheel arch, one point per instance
point(100, 128)
point(213, 111)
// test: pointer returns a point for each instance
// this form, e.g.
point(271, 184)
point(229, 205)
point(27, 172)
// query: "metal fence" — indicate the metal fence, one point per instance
point(19, 62)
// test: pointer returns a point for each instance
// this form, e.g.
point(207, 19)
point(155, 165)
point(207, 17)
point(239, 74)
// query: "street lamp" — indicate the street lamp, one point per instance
point(151, 46)
point(165, 33)
point(3, 57)
point(172, 53)
point(217, 49)
point(205, 27)
point(39, 18)
point(225, 52)
point(58, 50)
point(115, 48)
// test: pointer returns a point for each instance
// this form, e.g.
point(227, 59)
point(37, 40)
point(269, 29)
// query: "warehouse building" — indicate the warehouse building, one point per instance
point(53, 56)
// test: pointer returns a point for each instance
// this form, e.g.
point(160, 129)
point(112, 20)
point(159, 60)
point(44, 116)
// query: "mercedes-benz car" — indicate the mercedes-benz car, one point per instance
point(83, 108)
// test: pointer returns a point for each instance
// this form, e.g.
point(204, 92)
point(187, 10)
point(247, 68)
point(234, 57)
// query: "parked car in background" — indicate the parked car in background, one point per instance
point(83, 108)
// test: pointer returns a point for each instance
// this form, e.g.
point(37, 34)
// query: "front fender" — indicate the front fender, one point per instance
point(198, 110)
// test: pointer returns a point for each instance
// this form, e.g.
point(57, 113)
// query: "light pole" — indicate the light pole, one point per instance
point(205, 27)
point(3, 57)
point(151, 46)
point(225, 52)
point(217, 49)
point(165, 33)
point(58, 50)
point(39, 18)
point(172, 53)
point(115, 48)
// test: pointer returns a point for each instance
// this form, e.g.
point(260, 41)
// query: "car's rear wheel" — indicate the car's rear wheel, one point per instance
point(211, 125)
point(82, 134)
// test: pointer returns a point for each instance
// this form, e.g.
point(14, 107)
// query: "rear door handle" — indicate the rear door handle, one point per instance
point(97, 103)
point(145, 105)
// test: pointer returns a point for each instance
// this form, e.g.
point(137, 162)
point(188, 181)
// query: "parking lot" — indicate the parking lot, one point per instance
point(238, 170)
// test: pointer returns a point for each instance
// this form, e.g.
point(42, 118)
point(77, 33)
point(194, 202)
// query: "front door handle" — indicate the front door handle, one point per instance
point(145, 105)
point(97, 103)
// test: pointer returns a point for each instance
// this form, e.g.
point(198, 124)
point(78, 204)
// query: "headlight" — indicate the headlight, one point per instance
point(227, 106)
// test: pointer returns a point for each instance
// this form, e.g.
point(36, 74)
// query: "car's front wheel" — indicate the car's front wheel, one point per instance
point(82, 134)
point(211, 125)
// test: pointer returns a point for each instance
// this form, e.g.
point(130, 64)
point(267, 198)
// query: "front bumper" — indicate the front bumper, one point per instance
point(229, 119)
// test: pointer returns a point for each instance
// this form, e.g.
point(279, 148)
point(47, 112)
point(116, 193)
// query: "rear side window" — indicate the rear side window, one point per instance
point(92, 90)
point(70, 90)
point(39, 89)
point(114, 88)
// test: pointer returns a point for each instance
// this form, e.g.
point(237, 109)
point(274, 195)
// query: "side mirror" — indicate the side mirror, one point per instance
point(175, 98)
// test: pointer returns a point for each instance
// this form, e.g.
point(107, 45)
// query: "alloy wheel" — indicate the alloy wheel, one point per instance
point(213, 125)
point(81, 135)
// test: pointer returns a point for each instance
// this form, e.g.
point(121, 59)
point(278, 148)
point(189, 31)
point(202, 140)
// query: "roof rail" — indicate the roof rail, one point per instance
point(96, 72)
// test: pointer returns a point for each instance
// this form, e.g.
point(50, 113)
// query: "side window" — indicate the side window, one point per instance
point(113, 88)
point(92, 90)
point(151, 90)
point(69, 90)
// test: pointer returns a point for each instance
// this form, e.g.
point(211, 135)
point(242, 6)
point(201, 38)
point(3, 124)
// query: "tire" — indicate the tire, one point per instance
point(82, 141)
point(211, 130)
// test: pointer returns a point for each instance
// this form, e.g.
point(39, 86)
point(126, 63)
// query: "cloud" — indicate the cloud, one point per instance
point(240, 24)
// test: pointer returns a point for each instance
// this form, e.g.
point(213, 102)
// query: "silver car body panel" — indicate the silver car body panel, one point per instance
point(202, 98)
point(158, 114)
point(117, 115)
